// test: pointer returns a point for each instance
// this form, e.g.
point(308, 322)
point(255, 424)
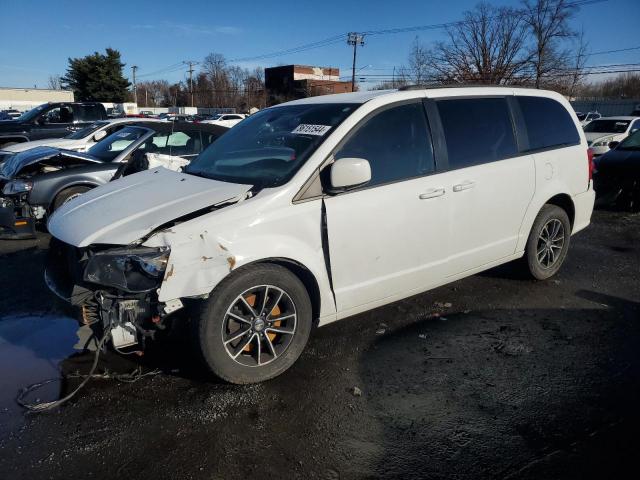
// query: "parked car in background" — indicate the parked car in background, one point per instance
point(204, 116)
point(177, 117)
point(114, 113)
point(147, 113)
point(602, 131)
point(79, 141)
point(50, 120)
point(12, 113)
point(588, 117)
point(321, 208)
point(616, 177)
point(36, 182)
point(226, 119)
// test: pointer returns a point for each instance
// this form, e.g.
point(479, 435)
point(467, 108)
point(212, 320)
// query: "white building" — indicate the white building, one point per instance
point(26, 98)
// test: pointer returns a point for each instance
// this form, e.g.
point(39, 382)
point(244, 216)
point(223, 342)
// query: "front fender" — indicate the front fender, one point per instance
point(201, 258)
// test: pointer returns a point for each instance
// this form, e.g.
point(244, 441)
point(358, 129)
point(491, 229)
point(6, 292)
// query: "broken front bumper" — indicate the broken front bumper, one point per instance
point(129, 315)
point(16, 221)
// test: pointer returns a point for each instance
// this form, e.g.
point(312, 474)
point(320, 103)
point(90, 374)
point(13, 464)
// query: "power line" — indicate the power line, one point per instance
point(135, 91)
point(615, 51)
point(308, 46)
point(169, 69)
point(354, 39)
point(191, 63)
point(338, 38)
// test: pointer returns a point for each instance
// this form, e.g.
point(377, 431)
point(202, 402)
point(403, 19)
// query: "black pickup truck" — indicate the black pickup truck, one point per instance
point(50, 120)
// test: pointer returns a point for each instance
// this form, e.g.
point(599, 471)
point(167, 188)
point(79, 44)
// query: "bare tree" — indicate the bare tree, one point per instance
point(577, 73)
point(623, 85)
point(418, 69)
point(487, 46)
point(154, 93)
point(548, 21)
point(55, 82)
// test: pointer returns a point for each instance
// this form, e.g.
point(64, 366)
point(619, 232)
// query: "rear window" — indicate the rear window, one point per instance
point(548, 123)
point(88, 113)
point(477, 130)
point(607, 126)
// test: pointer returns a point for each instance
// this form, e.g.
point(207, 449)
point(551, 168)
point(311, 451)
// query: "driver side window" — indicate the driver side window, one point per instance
point(58, 115)
point(396, 142)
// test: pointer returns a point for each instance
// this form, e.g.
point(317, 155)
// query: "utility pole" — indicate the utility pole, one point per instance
point(355, 39)
point(135, 91)
point(191, 64)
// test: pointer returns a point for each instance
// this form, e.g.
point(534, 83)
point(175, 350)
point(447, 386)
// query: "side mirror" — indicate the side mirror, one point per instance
point(42, 120)
point(99, 135)
point(348, 173)
point(613, 145)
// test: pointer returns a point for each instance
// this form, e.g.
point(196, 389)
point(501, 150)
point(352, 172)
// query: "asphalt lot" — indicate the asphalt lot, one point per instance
point(494, 376)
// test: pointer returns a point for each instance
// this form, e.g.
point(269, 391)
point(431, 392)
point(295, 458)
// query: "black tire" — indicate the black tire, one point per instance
point(212, 325)
point(67, 194)
point(550, 216)
point(629, 199)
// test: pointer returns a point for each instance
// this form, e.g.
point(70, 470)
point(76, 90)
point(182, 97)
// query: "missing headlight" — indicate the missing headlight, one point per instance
point(134, 270)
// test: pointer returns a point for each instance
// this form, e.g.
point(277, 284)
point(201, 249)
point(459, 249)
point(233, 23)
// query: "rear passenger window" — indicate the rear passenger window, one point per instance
point(396, 142)
point(548, 123)
point(477, 130)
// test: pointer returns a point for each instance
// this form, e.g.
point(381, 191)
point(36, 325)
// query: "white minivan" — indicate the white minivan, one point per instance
point(318, 209)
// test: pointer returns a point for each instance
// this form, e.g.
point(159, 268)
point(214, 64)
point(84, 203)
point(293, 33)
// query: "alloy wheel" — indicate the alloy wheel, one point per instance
point(550, 243)
point(259, 325)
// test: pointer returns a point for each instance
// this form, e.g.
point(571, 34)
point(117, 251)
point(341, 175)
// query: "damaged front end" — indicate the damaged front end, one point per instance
point(17, 217)
point(19, 176)
point(115, 288)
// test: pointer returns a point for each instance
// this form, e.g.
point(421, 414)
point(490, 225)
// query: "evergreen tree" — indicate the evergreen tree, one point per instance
point(97, 77)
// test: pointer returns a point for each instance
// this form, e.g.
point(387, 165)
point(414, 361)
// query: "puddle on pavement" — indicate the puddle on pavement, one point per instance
point(31, 349)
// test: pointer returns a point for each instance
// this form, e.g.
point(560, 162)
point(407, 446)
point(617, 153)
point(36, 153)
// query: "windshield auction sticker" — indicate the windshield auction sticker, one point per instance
point(306, 129)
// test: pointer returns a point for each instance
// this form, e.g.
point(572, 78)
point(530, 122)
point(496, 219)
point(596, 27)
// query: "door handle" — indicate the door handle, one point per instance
point(432, 193)
point(464, 186)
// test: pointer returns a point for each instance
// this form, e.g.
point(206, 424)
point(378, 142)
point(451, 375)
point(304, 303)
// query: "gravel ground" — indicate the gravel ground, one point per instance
point(494, 376)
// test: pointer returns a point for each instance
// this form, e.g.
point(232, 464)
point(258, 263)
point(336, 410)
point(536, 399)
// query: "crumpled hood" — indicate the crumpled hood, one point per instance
point(48, 142)
point(13, 164)
point(129, 208)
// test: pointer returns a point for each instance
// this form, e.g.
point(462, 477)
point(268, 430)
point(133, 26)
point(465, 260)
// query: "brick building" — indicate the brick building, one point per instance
point(290, 82)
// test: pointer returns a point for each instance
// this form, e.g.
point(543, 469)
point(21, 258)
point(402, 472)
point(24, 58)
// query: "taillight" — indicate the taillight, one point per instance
point(590, 160)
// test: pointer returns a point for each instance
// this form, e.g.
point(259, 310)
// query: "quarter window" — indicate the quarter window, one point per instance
point(477, 130)
point(548, 123)
point(396, 142)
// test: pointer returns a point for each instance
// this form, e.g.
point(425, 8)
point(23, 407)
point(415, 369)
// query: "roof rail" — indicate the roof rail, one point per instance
point(456, 85)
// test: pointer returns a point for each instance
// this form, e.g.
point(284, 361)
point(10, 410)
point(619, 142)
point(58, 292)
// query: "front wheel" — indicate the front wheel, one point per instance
point(255, 324)
point(67, 195)
point(548, 242)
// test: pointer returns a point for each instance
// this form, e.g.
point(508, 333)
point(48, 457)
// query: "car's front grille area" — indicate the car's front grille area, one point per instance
point(64, 271)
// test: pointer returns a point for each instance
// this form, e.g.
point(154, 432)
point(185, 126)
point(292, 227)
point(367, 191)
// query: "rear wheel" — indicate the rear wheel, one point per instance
point(629, 199)
point(548, 242)
point(67, 195)
point(255, 324)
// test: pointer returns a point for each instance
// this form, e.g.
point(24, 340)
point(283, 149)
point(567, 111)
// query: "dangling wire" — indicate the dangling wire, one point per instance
point(41, 407)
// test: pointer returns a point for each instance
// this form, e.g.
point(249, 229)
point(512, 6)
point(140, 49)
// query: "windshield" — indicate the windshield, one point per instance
point(113, 145)
point(632, 142)
point(33, 113)
point(86, 131)
point(269, 147)
point(607, 126)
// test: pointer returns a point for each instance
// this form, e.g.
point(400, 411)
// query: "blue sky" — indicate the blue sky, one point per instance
point(41, 35)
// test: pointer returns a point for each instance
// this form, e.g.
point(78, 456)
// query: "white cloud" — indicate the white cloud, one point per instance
point(189, 29)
